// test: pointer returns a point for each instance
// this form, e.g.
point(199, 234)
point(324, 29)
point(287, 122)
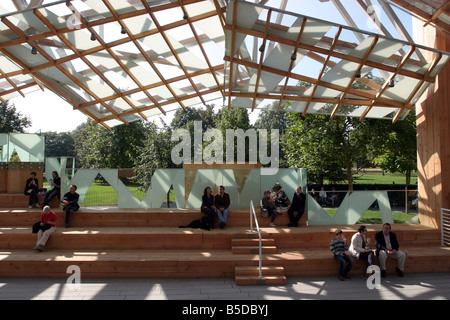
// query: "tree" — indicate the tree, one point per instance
point(400, 148)
point(11, 120)
point(98, 147)
point(59, 144)
point(269, 119)
point(185, 118)
point(329, 148)
point(233, 119)
point(154, 153)
point(312, 142)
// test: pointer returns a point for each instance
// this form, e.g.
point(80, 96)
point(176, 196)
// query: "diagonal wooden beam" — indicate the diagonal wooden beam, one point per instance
point(386, 84)
point(233, 44)
point(335, 54)
point(417, 87)
point(200, 45)
point(261, 57)
point(366, 56)
point(437, 13)
point(169, 44)
point(84, 59)
point(360, 93)
point(44, 54)
point(338, 33)
point(291, 64)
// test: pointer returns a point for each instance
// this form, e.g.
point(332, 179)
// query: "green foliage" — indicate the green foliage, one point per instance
point(329, 148)
point(400, 148)
point(98, 147)
point(59, 144)
point(11, 120)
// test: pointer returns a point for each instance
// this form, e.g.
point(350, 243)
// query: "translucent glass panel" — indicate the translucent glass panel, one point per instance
point(27, 147)
point(339, 70)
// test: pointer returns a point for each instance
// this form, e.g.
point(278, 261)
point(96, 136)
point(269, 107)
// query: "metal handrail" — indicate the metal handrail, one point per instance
point(253, 213)
point(445, 227)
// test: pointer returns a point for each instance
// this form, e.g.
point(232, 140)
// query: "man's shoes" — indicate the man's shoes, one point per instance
point(399, 272)
point(67, 225)
point(383, 273)
point(271, 224)
point(222, 225)
point(39, 248)
point(340, 277)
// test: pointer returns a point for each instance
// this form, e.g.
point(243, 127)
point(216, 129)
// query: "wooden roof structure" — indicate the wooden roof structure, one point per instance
point(118, 61)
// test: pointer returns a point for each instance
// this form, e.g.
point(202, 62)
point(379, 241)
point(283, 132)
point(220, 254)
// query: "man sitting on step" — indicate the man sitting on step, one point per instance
point(70, 203)
point(387, 247)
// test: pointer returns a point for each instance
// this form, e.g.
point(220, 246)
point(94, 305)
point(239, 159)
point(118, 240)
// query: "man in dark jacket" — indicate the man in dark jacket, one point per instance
point(70, 203)
point(387, 247)
point(297, 205)
point(32, 190)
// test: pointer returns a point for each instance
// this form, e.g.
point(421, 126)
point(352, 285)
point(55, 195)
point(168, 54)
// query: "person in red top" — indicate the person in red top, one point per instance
point(48, 226)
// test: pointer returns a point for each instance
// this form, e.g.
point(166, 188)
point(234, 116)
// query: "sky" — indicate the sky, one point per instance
point(48, 112)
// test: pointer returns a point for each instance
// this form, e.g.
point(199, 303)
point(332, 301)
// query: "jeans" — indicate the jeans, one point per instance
point(222, 216)
point(342, 259)
point(68, 210)
point(49, 195)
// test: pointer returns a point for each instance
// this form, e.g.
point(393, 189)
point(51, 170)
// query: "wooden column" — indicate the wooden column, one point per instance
point(433, 133)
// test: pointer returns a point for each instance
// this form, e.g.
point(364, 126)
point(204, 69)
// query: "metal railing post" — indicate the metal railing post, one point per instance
point(252, 212)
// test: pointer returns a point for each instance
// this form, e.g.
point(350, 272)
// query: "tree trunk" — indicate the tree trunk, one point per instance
point(408, 181)
point(349, 176)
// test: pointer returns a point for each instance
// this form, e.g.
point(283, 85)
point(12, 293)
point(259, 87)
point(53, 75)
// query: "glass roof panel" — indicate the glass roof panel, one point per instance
point(176, 60)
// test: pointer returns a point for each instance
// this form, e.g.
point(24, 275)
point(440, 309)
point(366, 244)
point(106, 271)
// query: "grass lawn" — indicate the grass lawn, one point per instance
point(373, 216)
point(100, 194)
point(375, 176)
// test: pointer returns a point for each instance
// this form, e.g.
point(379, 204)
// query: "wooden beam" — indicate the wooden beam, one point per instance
point(292, 63)
point(387, 83)
point(338, 33)
point(366, 56)
point(335, 54)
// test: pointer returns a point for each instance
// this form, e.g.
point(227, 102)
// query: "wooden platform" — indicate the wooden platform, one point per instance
point(20, 201)
point(108, 243)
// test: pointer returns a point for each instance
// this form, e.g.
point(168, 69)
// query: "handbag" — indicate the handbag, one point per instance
point(264, 213)
point(37, 226)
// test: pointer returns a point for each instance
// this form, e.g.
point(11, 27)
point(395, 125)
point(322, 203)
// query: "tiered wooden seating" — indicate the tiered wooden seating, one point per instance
point(148, 243)
point(19, 200)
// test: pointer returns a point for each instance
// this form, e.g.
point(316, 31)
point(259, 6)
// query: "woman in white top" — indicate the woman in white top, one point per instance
point(359, 247)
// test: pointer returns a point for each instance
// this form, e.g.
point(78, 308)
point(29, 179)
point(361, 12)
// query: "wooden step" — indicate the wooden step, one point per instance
point(253, 249)
point(252, 242)
point(265, 280)
point(19, 200)
point(254, 271)
point(198, 263)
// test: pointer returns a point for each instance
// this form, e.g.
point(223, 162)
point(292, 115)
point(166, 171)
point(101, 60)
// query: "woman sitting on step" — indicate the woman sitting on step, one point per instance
point(47, 226)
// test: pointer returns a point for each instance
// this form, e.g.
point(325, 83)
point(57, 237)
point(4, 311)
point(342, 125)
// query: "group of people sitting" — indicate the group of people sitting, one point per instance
point(323, 198)
point(219, 204)
point(386, 244)
point(47, 222)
